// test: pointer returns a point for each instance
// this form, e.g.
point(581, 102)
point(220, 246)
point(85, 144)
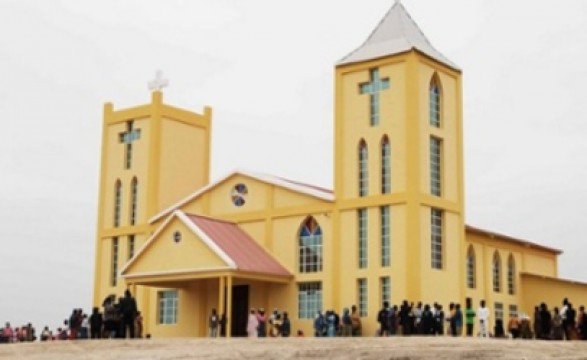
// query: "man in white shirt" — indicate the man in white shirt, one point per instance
point(483, 316)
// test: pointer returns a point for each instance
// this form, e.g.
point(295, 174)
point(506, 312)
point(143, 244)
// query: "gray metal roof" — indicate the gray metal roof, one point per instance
point(396, 33)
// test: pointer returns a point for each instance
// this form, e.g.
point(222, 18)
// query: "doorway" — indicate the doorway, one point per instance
point(240, 310)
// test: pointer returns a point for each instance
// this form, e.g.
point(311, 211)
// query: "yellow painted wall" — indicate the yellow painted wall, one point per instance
point(442, 285)
point(165, 254)
point(182, 161)
point(221, 201)
point(552, 291)
point(448, 131)
point(353, 124)
point(189, 316)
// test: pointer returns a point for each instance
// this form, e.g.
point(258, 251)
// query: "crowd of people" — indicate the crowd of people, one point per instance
point(408, 319)
point(119, 319)
point(277, 324)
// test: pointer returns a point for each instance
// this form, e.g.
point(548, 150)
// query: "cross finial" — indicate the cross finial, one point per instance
point(159, 82)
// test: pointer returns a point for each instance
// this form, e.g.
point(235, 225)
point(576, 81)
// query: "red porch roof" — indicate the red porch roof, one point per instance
point(245, 252)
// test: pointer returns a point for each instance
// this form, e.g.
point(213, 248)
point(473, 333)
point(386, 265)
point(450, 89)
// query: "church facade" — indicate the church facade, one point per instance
point(393, 227)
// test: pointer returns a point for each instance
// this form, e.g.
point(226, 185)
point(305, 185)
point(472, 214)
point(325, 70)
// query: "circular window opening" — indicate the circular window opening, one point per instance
point(177, 237)
point(239, 194)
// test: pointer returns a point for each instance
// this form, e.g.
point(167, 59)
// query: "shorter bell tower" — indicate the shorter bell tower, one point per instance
point(152, 156)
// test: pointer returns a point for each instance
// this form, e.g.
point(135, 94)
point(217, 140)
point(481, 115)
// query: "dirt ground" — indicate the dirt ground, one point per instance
point(396, 348)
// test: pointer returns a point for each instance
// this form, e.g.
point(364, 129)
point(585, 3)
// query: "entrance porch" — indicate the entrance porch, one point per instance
point(181, 307)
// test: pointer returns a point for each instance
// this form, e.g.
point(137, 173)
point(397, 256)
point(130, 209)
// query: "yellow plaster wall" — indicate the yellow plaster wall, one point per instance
point(552, 291)
point(284, 198)
point(183, 160)
point(540, 265)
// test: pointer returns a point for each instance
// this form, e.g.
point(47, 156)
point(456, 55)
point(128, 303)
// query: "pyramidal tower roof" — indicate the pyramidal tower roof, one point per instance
point(396, 33)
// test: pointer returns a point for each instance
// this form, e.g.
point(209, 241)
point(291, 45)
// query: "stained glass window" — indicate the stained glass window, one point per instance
point(310, 245)
point(363, 169)
point(435, 99)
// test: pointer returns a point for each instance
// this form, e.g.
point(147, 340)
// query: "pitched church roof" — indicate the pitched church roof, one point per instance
point(396, 33)
point(292, 185)
point(245, 253)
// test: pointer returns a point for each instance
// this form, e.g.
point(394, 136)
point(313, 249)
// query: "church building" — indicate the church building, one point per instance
point(392, 228)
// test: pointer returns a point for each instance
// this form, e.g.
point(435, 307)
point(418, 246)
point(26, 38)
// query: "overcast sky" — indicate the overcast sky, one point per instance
point(266, 68)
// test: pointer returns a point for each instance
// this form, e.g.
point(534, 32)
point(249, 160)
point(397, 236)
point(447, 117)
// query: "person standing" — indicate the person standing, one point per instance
point(545, 320)
point(213, 323)
point(557, 325)
point(286, 325)
point(483, 316)
point(514, 326)
point(563, 313)
point(571, 322)
point(469, 317)
point(262, 319)
point(253, 324)
point(458, 320)
point(347, 323)
point(356, 321)
point(128, 312)
point(582, 323)
point(383, 319)
point(139, 325)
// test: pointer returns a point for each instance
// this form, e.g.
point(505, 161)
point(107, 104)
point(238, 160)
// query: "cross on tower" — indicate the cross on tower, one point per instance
point(128, 138)
point(158, 83)
point(373, 88)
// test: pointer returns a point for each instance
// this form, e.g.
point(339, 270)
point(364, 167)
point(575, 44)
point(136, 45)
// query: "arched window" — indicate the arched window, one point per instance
point(471, 269)
point(310, 245)
point(496, 272)
point(363, 169)
point(385, 166)
point(435, 101)
point(511, 275)
point(117, 200)
point(134, 189)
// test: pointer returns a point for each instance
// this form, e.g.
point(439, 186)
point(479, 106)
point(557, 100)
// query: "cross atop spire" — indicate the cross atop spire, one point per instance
point(159, 82)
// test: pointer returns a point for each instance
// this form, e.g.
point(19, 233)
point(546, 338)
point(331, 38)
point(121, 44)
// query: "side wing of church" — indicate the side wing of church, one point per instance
point(392, 229)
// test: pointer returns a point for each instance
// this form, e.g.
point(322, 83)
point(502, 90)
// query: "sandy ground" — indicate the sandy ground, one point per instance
point(297, 348)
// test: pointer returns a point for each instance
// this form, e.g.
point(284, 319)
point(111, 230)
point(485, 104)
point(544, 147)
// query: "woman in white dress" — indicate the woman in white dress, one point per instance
point(252, 324)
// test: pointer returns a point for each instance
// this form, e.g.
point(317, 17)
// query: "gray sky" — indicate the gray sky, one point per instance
point(266, 67)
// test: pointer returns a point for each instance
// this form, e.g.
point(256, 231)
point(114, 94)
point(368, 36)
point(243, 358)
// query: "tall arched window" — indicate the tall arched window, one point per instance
point(471, 283)
point(511, 275)
point(385, 166)
point(117, 200)
point(363, 169)
point(496, 272)
point(134, 189)
point(435, 101)
point(310, 245)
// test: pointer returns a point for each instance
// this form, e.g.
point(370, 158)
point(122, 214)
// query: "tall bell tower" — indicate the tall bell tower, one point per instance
point(399, 164)
point(152, 156)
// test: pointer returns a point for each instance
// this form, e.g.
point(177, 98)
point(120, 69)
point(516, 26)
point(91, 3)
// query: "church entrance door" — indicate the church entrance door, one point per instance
point(240, 310)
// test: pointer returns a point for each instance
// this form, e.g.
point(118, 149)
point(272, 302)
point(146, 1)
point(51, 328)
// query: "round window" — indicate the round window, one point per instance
point(239, 194)
point(177, 237)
